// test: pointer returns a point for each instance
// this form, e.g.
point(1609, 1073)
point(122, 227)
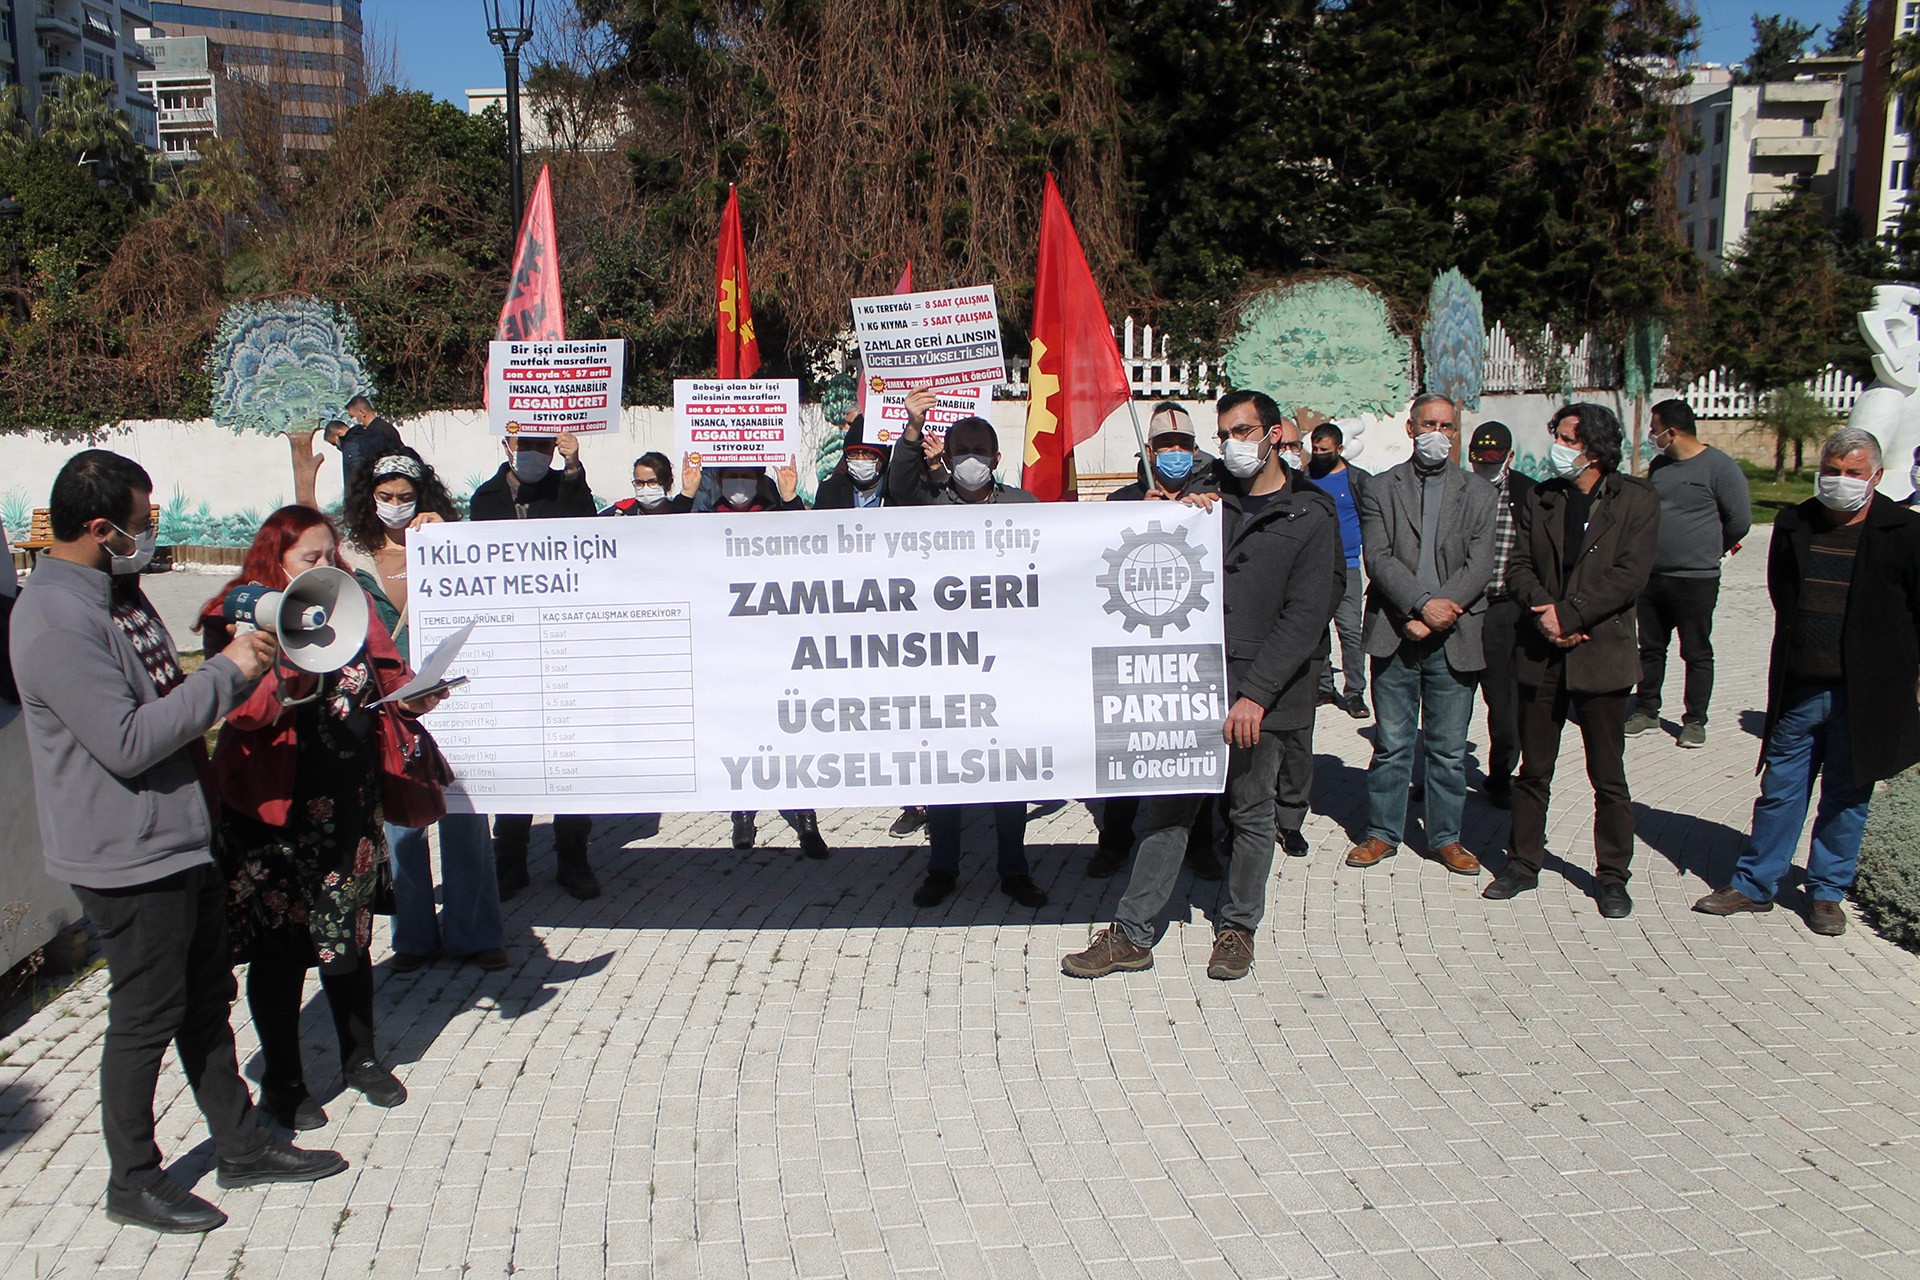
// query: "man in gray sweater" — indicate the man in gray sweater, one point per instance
point(115, 733)
point(1705, 509)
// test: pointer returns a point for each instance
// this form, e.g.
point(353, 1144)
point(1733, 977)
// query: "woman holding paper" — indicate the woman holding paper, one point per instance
point(297, 774)
point(396, 494)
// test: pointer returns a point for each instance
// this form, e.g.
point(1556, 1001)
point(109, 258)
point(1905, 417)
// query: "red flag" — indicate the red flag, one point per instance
point(533, 311)
point(903, 285)
point(1075, 378)
point(738, 349)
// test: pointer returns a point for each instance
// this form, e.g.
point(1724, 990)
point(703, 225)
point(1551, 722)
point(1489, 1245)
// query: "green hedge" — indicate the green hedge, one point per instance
point(1888, 888)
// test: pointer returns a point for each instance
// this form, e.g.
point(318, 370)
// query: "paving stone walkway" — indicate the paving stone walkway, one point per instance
point(757, 1065)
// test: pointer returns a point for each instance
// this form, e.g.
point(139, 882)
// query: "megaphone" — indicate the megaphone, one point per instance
point(320, 619)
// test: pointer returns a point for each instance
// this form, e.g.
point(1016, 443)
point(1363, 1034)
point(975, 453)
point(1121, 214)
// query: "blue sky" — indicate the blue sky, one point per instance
point(444, 50)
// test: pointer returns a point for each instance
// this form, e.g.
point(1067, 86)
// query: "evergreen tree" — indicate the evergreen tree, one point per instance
point(1778, 42)
point(1847, 38)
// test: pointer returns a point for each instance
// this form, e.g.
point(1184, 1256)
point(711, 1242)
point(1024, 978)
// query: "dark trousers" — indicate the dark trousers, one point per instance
point(1348, 615)
point(1671, 604)
point(1009, 829)
point(274, 987)
point(798, 819)
point(511, 831)
point(1603, 728)
point(1293, 778)
point(170, 982)
point(1498, 687)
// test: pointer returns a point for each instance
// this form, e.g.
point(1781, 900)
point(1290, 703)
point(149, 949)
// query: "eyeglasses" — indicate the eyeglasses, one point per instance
point(1424, 428)
point(1251, 431)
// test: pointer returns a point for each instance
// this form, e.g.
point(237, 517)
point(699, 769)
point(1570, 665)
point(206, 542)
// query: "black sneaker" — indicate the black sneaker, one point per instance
point(911, 819)
point(577, 878)
point(296, 1111)
point(743, 832)
point(280, 1161)
point(1024, 891)
point(933, 890)
point(165, 1206)
point(377, 1084)
point(1509, 884)
point(1292, 841)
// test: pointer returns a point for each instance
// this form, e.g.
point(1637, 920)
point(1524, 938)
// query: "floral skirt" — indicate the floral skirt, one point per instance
point(307, 892)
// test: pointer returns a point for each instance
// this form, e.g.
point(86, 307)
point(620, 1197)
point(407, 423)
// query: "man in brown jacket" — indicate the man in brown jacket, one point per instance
point(1583, 549)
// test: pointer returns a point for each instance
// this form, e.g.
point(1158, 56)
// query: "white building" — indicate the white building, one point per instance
point(1759, 143)
point(552, 126)
point(197, 96)
point(44, 41)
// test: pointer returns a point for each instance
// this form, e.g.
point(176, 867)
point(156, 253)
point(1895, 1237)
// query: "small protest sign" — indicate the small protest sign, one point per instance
point(737, 422)
point(947, 338)
point(545, 388)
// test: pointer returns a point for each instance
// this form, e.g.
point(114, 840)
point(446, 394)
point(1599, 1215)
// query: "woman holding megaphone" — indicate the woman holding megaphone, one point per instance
point(298, 774)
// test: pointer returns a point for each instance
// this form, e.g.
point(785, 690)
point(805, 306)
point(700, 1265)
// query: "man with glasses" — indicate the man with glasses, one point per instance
point(1581, 556)
point(1427, 538)
point(1282, 575)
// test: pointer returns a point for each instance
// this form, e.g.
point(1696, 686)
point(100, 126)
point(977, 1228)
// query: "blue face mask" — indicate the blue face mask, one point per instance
point(1175, 464)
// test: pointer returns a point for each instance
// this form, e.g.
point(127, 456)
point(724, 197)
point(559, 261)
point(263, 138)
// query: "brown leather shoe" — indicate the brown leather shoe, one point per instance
point(1456, 859)
point(1729, 901)
point(1828, 919)
point(1370, 851)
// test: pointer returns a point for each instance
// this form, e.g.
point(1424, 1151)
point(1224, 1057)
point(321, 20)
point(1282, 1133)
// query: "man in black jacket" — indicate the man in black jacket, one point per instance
point(527, 487)
point(367, 438)
point(1279, 583)
point(1844, 576)
point(1583, 549)
point(1491, 455)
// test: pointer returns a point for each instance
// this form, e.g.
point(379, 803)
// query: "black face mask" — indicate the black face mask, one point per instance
point(1320, 464)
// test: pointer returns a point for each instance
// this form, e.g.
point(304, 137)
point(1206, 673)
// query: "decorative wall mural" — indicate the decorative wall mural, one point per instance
point(282, 366)
point(1454, 339)
point(1326, 343)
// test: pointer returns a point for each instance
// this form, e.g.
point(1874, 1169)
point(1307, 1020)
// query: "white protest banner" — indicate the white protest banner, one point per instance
point(545, 388)
point(950, 404)
point(903, 655)
point(737, 422)
point(950, 338)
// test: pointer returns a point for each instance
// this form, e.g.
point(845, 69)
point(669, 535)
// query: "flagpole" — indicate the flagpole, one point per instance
point(1146, 454)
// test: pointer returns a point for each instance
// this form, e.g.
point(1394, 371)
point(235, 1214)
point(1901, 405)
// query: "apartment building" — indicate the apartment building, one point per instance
point(307, 54)
point(44, 41)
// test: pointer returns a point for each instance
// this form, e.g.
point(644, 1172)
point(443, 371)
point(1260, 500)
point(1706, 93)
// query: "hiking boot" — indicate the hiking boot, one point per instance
point(911, 819)
point(1640, 722)
point(1828, 919)
point(1693, 735)
point(933, 890)
point(1109, 953)
point(743, 831)
point(1232, 955)
point(1729, 901)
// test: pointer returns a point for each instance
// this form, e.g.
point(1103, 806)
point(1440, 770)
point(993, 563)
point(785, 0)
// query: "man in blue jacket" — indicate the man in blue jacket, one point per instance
point(115, 732)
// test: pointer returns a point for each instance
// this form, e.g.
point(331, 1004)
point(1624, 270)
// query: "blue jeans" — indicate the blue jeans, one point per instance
point(1009, 829)
point(1810, 738)
point(469, 919)
point(1416, 686)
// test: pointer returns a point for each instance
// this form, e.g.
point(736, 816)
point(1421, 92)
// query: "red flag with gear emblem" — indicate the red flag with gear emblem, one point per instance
point(533, 311)
point(738, 350)
point(1075, 377)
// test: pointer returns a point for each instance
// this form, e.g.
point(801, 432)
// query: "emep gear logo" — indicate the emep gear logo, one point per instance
point(1154, 579)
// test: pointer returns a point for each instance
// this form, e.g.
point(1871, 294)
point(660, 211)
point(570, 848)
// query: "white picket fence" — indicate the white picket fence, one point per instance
point(1717, 395)
point(1562, 366)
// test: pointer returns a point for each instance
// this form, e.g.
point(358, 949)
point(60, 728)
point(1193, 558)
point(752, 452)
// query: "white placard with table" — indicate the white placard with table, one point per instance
point(820, 659)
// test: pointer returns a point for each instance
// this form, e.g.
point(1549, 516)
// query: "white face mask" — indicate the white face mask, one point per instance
point(1565, 460)
point(863, 471)
point(143, 547)
point(1432, 447)
point(650, 495)
point(1292, 456)
point(1844, 494)
point(1242, 457)
point(530, 465)
point(973, 471)
point(395, 515)
point(738, 491)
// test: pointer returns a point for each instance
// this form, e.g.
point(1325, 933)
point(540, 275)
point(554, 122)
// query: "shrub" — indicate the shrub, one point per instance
point(1888, 887)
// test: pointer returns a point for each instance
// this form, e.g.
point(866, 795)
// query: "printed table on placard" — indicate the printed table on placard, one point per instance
point(583, 700)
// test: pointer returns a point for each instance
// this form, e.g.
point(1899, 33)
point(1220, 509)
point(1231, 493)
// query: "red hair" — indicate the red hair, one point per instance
point(265, 561)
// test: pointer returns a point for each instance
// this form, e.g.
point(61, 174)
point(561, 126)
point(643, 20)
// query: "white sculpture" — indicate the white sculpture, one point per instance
point(1889, 408)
